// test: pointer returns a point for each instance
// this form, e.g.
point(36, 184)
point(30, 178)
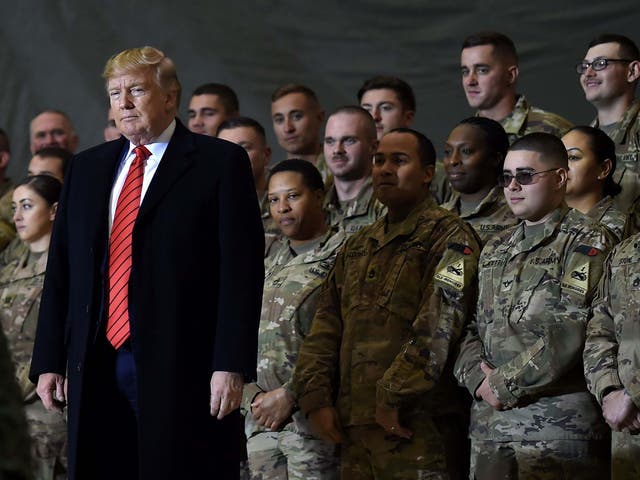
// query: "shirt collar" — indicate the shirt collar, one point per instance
point(159, 145)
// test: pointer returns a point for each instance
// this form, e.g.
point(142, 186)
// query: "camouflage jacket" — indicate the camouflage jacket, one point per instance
point(525, 119)
point(389, 318)
point(490, 217)
point(533, 303)
point(7, 227)
point(15, 457)
point(360, 212)
point(440, 187)
point(627, 139)
point(605, 213)
point(291, 288)
point(21, 284)
point(612, 351)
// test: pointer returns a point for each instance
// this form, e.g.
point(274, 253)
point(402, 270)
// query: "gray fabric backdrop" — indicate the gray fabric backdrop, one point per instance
point(52, 52)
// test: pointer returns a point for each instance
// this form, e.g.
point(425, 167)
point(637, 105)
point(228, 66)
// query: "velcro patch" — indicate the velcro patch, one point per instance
point(587, 250)
point(452, 274)
point(458, 247)
point(577, 280)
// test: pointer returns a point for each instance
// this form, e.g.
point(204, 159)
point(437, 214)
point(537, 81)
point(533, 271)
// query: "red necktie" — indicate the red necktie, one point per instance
point(120, 249)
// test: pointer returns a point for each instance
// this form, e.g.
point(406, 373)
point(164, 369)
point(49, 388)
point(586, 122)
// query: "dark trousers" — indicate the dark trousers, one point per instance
point(112, 451)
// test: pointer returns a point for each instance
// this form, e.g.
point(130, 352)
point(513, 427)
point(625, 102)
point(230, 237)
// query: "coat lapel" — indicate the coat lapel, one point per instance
point(174, 163)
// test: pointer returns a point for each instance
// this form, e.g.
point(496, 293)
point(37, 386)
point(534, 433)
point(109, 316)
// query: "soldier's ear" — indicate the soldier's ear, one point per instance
point(633, 72)
point(513, 73)
point(52, 211)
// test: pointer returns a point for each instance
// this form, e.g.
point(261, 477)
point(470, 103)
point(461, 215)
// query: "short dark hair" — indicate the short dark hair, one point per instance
point(290, 88)
point(46, 186)
point(551, 149)
point(496, 138)
point(310, 175)
point(502, 45)
point(56, 152)
point(602, 148)
point(358, 110)
point(402, 89)
point(4, 142)
point(227, 96)
point(628, 49)
point(426, 150)
point(237, 122)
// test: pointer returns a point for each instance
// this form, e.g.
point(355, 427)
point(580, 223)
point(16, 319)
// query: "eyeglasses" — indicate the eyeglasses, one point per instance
point(522, 178)
point(599, 64)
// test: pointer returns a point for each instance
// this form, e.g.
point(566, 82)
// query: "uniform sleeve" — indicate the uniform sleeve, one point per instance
point(449, 299)
point(601, 347)
point(315, 375)
point(560, 330)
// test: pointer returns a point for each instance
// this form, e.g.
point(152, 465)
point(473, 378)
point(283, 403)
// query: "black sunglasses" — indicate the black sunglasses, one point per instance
point(522, 178)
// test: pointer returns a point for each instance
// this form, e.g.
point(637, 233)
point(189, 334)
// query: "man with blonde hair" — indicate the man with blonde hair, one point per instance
point(152, 295)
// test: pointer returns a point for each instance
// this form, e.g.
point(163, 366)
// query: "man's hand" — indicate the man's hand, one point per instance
point(388, 419)
point(620, 412)
point(52, 390)
point(272, 408)
point(484, 391)
point(226, 393)
point(326, 424)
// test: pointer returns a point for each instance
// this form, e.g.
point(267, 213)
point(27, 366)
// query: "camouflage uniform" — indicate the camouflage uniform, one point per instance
point(525, 119)
point(612, 350)
point(385, 333)
point(626, 136)
point(491, 217)
point(605, 213)
point(440, 187)
point(357, 213)
point(14, 440)
point(535, 293)
point(7, 227)
point(292, 285)
point(325, 173)
point(20, 289)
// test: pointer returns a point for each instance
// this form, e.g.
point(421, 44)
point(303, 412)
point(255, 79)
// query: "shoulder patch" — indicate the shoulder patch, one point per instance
point(577, 280)
point(587, 250)
point(452, 274)
point(458, 247)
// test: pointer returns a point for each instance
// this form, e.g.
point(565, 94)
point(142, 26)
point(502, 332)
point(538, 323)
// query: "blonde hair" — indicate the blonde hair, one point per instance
point(136, 59)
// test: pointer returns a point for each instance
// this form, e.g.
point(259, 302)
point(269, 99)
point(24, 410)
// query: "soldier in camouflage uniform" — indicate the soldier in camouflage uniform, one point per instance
point(280, 442)
point(349, 145)
point(612, 353)
point(591, 188)
point(489, 64)
point(15, 458)
point(473, 158)
point(609, 76)
point(533, 417)
point(21, 283)
point(297, 120)
point(375, 372)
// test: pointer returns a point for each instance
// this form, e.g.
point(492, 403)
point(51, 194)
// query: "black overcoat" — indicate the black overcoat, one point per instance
point(194, 298)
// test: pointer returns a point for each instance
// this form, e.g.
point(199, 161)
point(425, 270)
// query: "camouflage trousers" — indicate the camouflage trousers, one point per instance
point(48, 432)
point(625, 456)
point(438, 450)
point(540, 460)
point(289, 455)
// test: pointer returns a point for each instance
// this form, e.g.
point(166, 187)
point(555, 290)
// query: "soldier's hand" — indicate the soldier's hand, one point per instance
point(226, 393)
point(620, 412)
point(270, 409)
point(484, 390)
point(326, 424)
point(52, 392)
point(389, 419)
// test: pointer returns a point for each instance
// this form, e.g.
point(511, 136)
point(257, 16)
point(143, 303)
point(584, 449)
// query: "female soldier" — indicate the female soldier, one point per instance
point(473, 158)
point(34, 204)
point(590, 184)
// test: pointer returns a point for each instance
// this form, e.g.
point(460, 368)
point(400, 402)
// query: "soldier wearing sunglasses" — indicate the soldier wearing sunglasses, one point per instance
point(533, 416)
point(609, 76)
